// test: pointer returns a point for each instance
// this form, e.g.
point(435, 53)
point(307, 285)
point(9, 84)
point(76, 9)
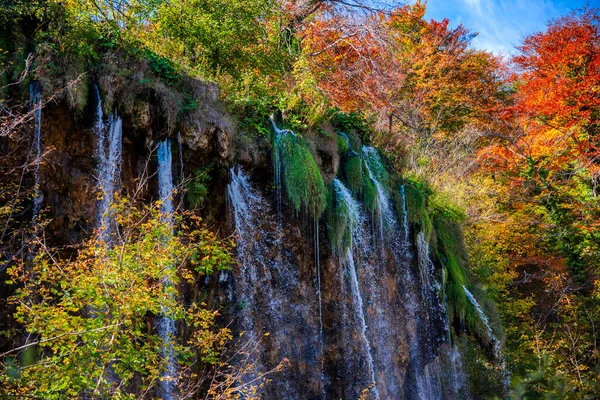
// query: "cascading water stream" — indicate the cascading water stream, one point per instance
point(180, 151)
point(278, 171)
point(405, 226)
point(270, 294)
point(495, 342)
point(35, 93)
point(355, 222)
point(484, 320)
point(278, 166)
point(108, 153)
point(166, 323)
point(459, 379)
point(383, 209)
point(318, 270)
point(429, 385)
point(388, 289)
point(245, 203)
point(345, 138)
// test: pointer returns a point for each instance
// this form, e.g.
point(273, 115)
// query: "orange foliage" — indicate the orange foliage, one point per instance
point(401, 67)
point(557, 102)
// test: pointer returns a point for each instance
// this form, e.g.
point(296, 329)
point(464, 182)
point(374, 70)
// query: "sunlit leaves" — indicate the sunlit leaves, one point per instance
point(91, 318)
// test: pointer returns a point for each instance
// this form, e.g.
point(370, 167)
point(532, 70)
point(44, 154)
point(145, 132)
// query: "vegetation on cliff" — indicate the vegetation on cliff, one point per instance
point(506, 150)
point(91, 315)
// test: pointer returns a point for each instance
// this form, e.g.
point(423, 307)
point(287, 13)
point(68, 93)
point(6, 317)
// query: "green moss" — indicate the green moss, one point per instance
point(375, 165)
point(301, 176)
point(451, 252)
point(416, 205)
point(197, 187)
point(453, 257)
point(440, 220)
point(338, 221)
point(373, 170)
point(353, 173)
point(342, 144)
point(369, 192)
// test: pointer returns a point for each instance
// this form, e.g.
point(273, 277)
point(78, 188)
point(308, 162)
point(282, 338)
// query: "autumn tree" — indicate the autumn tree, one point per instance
point(546, 165)
point(86, 323)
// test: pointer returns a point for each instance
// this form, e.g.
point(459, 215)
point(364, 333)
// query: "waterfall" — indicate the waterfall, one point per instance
point(318, 274)
point(429, 383)
point(278, 171)
point(247, 207)
point(270, 295)
point(425, 264)
point(459, 380)
point(430, 287)
point(99, 123)
point(483, 318)
point(166, 323)
point(355, 223)
point(108, 153)
point(278, 165)
point(383, 211)
point(388, 302)
point(493, 338)
point(405, 225)
point(358, 302)
point(165, 179)
point(35, 93)
point(346, 139)
point(180, 151)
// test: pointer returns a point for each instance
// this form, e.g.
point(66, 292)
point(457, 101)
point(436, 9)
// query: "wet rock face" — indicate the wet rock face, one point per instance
point(68, 170)
point(67, 176)
point(304, 296)
point(274, 293)
point(362, 340)
point(366, 320)
point(208, 126)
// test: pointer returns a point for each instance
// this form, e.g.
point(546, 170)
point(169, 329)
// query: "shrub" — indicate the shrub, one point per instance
point(197, 190)
point(92, 314)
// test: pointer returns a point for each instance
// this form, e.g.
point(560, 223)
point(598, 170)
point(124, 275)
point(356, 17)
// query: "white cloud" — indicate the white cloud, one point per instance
point(501, 24)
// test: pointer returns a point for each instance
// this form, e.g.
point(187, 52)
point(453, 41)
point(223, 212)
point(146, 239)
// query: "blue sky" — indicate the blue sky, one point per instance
point(502, 24)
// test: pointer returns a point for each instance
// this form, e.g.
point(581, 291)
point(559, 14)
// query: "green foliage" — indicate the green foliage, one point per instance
point(342, 144)
point(219, 35)
point(352, 123)
point(548, 382)
point(196, 188)
point(95, 311)
point(295, 122)
point(451, 252)
point(301, 176)
point(484, 379)
point(369, 190)
point(163, 67)
point(353, 172)
point(338, 221)
point(416, 195)
point(254, 116)
point(373, 169)
point(434, 214)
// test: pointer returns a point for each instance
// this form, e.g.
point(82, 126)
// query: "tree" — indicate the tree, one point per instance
point(88, 322)
point(546, 164)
